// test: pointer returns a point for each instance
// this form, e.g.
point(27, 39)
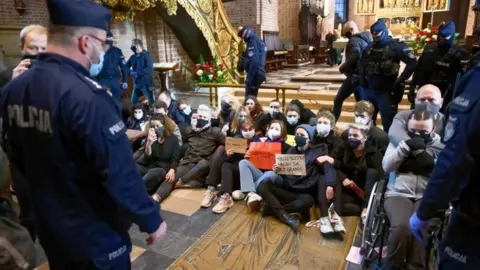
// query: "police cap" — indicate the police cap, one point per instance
point(79, 13)
point(446, 29)
point(379, 26)
point(244, 29)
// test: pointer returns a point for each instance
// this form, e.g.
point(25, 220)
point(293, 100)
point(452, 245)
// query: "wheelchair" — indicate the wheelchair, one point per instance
point(376, 230)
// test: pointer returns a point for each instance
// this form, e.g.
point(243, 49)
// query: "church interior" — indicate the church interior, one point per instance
point(178, 34)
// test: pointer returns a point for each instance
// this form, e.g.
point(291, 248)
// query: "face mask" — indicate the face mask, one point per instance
point(215, 122)
point(193, 122)
point(201, 123)
point(187, 110)
point(361, 120)
point(273, 134)
point(138, 116)
point(109, 42)
point(226, 107)
point(300, 141)
point(133, 48)
point(430, 107)
point(274, 112)
point(96, 68)
point(292, 120)
point(248, 134)
point(241, 118)
point(159, 132)
point(323, 130)
point(354, 143)
point(348, 35)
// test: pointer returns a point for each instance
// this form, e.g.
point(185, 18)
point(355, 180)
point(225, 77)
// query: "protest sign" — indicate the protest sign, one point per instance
point(238, 145)
point(262, 154)
point(291, 164)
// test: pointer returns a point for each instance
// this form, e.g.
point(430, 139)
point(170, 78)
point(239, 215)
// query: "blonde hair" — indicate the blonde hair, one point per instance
point(32, 28)
point(235, 122)
point(204, 109)
point(233, 101)
point(326, 113)
point(364, 107)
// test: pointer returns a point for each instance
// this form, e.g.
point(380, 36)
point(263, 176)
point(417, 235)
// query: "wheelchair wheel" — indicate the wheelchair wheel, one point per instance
point(435, 238)
point(374, 228)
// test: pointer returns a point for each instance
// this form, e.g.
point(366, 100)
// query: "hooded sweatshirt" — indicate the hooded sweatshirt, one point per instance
point(353, 53)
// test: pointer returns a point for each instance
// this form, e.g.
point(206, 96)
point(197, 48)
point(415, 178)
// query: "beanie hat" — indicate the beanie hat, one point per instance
point(307, 128)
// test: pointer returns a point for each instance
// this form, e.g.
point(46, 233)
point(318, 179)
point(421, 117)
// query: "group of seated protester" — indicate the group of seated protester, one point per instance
point(341, 168)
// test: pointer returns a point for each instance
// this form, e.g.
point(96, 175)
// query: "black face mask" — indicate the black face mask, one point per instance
point(226, 107)
point(201, 123)
point(425, 136)
point(354, 143)
point(348, 35)
point(215, 122)
point(159, 131)
point(133, 48)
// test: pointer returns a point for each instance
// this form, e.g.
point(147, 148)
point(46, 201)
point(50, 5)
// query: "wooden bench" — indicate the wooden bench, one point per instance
point(272, 63)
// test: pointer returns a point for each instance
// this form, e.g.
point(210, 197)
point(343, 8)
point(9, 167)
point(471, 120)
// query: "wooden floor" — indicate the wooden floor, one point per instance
point(242, 240)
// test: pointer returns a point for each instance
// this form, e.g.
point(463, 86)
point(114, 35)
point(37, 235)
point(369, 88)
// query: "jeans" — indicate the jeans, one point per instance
point(281, 199)
point(350, 86)
point(270, 177)
point(153, 179)
point(145, 90)
point(248, 176)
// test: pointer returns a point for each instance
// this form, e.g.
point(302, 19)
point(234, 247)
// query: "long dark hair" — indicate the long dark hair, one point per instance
point(258, 107)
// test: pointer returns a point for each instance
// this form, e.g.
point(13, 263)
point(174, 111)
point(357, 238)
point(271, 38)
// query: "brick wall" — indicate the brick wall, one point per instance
point(288, 19)
point(269, 15)
point(244, 12)
point(36, 13)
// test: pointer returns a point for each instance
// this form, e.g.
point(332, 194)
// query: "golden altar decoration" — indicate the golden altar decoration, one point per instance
point(209, 16)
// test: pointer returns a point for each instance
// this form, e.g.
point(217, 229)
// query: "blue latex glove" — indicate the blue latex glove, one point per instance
point(417, 226)
point(124, 85)
point(133, 73)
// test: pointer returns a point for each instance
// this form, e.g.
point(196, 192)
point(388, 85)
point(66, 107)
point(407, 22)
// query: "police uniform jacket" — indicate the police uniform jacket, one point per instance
point(114, 65)
point(141, 64)
point(65, 135)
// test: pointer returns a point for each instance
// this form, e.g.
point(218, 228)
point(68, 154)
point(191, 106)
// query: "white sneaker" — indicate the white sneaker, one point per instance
point(223, 204)
point(338, 224)
point(325, 226)
point(363, 217)
point(209, 197)
point(237, 195)
point(253, 201)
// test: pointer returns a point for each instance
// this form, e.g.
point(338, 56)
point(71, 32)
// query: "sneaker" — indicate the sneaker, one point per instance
point(209, 197)
point(325, 226)
point(253, 201)
point(338, 226)
point(237, 195)
point(223, 204)
point(363, 217)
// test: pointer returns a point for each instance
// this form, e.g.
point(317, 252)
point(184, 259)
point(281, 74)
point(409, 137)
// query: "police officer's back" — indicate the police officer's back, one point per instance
point(440, 64)
point(64, 133)
point(114, 67)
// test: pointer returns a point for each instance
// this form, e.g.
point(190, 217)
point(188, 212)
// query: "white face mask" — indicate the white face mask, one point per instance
point(292, 120)
point(361, 121)
point(273, 134)
point(193, 122)
point(248, 134)
point(96, 68)
point(138, 116)
point(323, 130)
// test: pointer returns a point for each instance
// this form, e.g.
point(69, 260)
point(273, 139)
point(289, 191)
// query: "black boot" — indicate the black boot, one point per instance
point(266, 210)
point(291, 220)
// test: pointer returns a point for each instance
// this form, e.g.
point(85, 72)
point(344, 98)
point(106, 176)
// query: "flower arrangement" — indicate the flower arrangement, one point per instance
point(426, 36)
point(208, 71)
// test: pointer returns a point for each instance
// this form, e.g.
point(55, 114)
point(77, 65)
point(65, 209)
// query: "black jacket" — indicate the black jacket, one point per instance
point(353, 53)
point(350, 166)
point(313, 173)
point(377, 137)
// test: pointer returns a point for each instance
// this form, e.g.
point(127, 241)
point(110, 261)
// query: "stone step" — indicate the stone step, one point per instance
point(305, 95)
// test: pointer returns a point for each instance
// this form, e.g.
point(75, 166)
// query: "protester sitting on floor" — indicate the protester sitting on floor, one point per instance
point(377, 137)
point(228, 106)
point(144, 100)
point(203, 142)
point(161, 109)
point(249, 174)
point(293, 118)
point(230, 172)
point(360, 165)
point(428, 98)
point(306, 115)
point(274, 113)
point(180, 113)
point(254, 107)
point(161, 155)
point(284, 194)
point(411, 162)
point(240, 115)
point(139, 119)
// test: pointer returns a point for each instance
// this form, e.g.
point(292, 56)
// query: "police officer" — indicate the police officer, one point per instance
point(142, 68)
point(252, 61)
point(440, 64)
point(475, 59)
point(64, 133)
point(380, 68)
point(114, 64)
point(456, 174)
